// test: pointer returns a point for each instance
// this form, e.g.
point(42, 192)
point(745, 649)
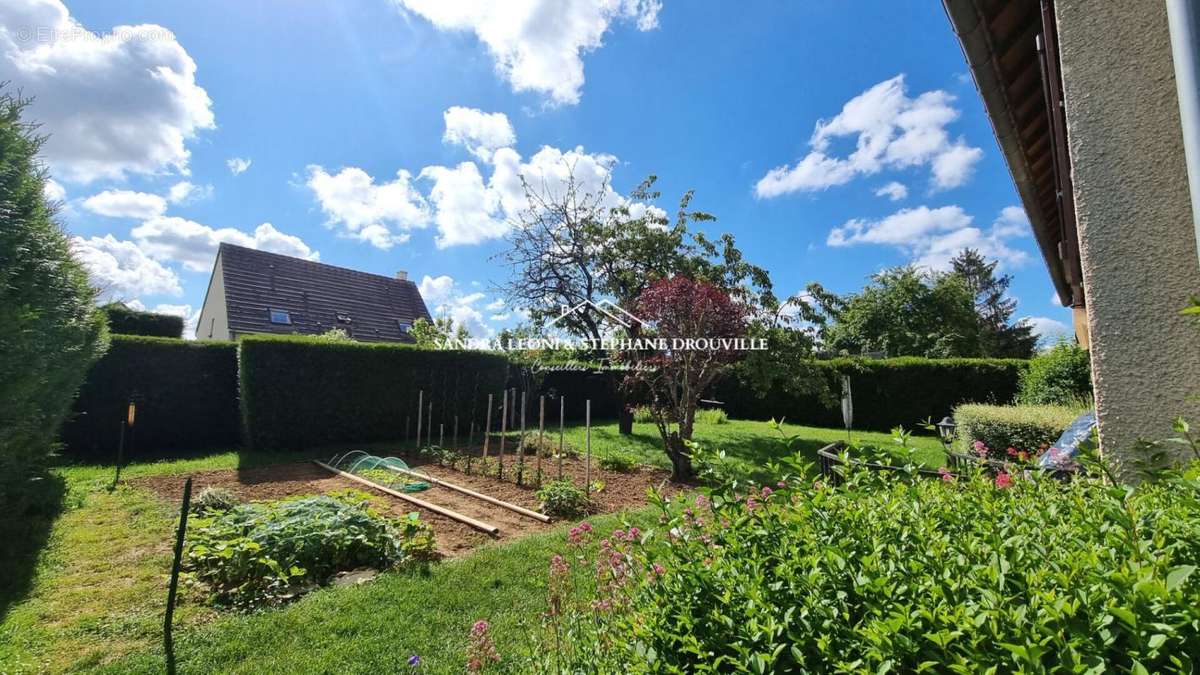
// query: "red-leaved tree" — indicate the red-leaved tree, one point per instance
point(690, 318)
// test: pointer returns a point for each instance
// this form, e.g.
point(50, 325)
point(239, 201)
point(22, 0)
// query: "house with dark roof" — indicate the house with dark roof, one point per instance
point(254, 291)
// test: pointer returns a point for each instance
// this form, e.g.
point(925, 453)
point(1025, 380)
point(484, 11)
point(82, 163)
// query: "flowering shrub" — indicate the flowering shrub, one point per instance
point(884, 575)
point(267, 552)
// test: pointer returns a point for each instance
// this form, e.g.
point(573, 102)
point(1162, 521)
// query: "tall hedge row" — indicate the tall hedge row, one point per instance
point(299, 393)
point(186, 394)
point(125, 321)
point(886, 392)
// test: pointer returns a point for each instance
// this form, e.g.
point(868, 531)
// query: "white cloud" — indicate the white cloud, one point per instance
point(380, 214)
point(1047, 330)
point(892, 131)
point(443, 298)
point(122, 101)
point(537, 45)
point(185, 192)
point(496, 305)
point(479, 132)
point(934, 236)
point(122, 269)
point(195, 245)
point(500, 317)
point(126, 204)
point(467, 212)
point(894, 191)
point(436, 290)
point(238, 165)
point(53, 191)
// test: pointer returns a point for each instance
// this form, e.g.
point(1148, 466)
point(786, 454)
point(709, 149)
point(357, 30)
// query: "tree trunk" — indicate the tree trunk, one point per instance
point(624, 418)
point(681, 459)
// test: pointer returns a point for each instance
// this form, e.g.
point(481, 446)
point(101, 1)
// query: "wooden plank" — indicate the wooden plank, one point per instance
point(441, 510)
point(466, 491)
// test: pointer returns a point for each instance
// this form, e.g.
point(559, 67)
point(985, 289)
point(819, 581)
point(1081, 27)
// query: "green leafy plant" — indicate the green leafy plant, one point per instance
point(1010, 433)
point(1061, 375)
point(562, 499)
point(711, 416)
point(619, 461)
point(643, 415)
point(1023, 574)
point(262, 553)
point(214, 499)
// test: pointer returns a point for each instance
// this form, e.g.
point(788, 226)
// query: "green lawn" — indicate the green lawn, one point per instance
point(94, 599)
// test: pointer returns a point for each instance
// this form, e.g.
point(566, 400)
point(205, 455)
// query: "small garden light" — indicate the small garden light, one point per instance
point(131, 414)
point(946, 430)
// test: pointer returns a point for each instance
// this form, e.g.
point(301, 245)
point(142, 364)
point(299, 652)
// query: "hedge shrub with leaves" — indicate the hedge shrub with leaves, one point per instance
point(887, 392)
point(50, 330)
point(266, 552)
point(186, 393)
point(1028, 428)
point(125, 321)
point(887, 575)
point(1061, 375)
point(302, 392)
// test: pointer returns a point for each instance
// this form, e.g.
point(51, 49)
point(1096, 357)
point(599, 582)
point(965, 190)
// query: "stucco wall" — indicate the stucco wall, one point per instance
point(214, 318)
point(1135, 222)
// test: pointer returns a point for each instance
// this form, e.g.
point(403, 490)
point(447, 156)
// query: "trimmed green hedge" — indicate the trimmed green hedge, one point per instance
point(887, 392)
point(298, 392)
point(187, 394)
point(125, 321)
point(1024, 427)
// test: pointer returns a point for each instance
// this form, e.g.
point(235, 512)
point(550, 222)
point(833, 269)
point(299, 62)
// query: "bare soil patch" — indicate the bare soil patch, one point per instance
point(620, 491)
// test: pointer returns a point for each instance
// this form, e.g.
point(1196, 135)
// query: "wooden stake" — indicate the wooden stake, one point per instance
point(541, 435)
point(429, 426)
point(441, 435)
point(420, 409)
point(487, 432)
point(587, 466)
point(503, 432)
point(172, 588)
point(455, 441)
point(477, 524)
point(562, 406)
point(521, 444)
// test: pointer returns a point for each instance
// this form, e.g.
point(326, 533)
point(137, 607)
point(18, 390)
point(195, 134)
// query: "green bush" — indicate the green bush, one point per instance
point(186, 394)
point(300, 392)
point(261, 553)
point(619, 461)
point(1025, 428)
point(50, 330)
point(886, 575)
point(1061, 375)
point(562, 499)
point(711, 416)
point(887, 392)
point(642, 415)
point(125, 321)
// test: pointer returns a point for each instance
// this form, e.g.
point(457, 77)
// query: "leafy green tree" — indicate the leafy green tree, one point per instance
point(1001, 337)
point(904, 311)
point(1061, 375)
point(434, 334)
point(50, 329)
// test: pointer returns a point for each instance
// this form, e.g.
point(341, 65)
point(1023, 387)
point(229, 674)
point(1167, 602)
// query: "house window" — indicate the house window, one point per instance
point(280, 316)
point(342, 318)
point(404, 326)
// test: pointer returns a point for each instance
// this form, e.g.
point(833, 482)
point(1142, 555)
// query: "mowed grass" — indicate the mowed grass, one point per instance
point(98, 588)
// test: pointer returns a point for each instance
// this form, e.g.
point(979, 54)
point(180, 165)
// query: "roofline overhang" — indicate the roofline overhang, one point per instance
point(966, 18)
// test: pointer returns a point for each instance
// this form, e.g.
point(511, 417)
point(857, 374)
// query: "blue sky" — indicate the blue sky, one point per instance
point(788, 119)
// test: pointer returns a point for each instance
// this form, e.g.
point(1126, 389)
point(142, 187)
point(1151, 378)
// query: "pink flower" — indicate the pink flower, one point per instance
point(1012, 452)
point(585, 526)
point(1003, 480)
point(658, 569)
point(781, 485)
point(702, 502)
point(980, 448)
point(634, 533)
point(946, 475)
point(558, 566)
point(766, 492)
point(751, 503)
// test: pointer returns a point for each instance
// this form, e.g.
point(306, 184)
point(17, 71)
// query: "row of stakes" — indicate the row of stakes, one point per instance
point(425, 425)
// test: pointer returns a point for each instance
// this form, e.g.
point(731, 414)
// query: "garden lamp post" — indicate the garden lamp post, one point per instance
point(946, 430)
